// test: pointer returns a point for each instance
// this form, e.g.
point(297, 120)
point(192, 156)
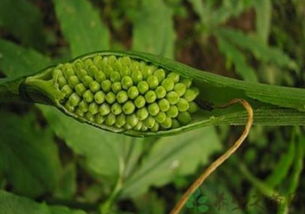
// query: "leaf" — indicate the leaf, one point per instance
point(153, 28)
point(24, 21)
point(28, 155)
point(263, 11)
point(105, 153)
point(238, 59)
point(13, 204)
point(81, 26)
point(172, 156)
point(260, 50)
point(17, 62)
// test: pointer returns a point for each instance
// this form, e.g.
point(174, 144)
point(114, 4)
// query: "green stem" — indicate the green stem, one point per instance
point(10, 90)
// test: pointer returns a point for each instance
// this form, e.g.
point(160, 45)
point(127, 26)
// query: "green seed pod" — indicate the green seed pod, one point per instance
point(132, 120)
point(116, 87)
point(161, 116)
point(93, 108)
point(153, 109)
point(110, 119)
point(167, 123)
point(172, 111)
point(160, 74)
point(121, 97)
point(90, 117)
point(87, 80)
point(164, 104)
point(180, 89)
point(150, 96)
point(110, 97)
point(99, 119)
point(94, 86)
point(160, 92)
point(140, 101)
point(191, 94)
point(183, 104)
point(83, 106)
point(80, 89)
point(143, 87)
point(66, 90)
point(142, 113)
point(61, 81)
point(174, 76)
point(132, 92)
point(149, 122)
point(176, 124)
point(153, 82)
point(184, 117)
point(155, 127)
point(168, 84)
point(193, 107)
point(99, 97)
point(128, 107)
point(74, 99)
point(116, 109)
point(106, 85)
point(120, 120)
point(172, 97)
point(104, 109)
point(115, 76)
point(126, 82)
point(88, 96)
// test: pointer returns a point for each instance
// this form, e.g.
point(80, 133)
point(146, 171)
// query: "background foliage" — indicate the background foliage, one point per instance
point(52, 164)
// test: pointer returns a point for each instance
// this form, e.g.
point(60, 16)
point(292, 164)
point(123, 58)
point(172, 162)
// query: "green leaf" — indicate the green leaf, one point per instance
point(13, 204)
point(153, 28)
point(23, 20)
point(28, 155)
point(260, 50)
point(238, 59)
point(263, 12)
point(81, 26)
point(16, 61)
point(170, 157)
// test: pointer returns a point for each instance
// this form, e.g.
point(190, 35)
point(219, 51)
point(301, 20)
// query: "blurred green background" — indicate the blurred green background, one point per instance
point(51, 164)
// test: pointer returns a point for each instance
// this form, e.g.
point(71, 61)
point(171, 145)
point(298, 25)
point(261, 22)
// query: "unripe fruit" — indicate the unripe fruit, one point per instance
point(124, 93)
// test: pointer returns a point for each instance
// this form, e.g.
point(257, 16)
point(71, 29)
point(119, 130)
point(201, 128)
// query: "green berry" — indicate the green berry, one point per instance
point(121, 97)
point(66, 90)
point(99, 119)
point(83, 106)
point(180, 89)
point(184, 117)
point(99, 97)
point(172, 97)
point(73, 81)
point(128, 107)
point(187, 82)
point(115, 76)
point(74, 99)
point(172, 112)
point(133, 92)
point(88, 96)
point(79, 112)
point(132, 120)
point(80, 89)
point(136, 76)
point(110, 119)
point(94, 86)
point(142, 113)
point(193, 107)
point(100, 76)
point(116, 109)
point(149, 122)
point(153, 109)
point(168, 84)
point(150, 96)
point(106, 85)
point(164, 104)
point(69, 107)
point(127, 126)
point(174, 76)
point(62, 81)
point(176, 124)
point(110, 97)
point(167, 123)
point(93, 108)
point(87, 80)
point(81, 73)
point(120, 120)
point(116, 87)
point(191, 94)
point(143, 87)
point(183, 104)
point(155, 127)
point(152, 81)
point(161, 116)
point(126, 82)
point(140, 101)
point(160, 92)
point(90, 117)
point(138, 127)
point(104, 109)
point(160, 74)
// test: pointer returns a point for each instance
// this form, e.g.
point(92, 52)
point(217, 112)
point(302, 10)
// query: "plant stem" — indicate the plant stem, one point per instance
point(10, 90)
point(178, 207)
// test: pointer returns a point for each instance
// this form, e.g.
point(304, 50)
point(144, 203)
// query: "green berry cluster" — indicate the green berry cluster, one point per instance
point(125, 93)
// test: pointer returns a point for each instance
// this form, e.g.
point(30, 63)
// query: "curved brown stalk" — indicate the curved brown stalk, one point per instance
point(207, 172)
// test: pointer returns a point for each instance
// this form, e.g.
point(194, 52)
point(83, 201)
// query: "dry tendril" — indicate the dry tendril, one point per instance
point(214, 165)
